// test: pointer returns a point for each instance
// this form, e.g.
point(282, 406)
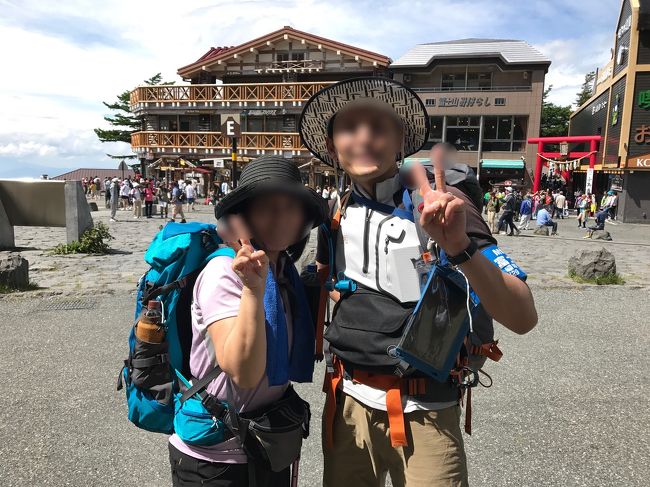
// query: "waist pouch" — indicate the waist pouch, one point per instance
point(365, 327)
point(195, 425)
point(272, 436)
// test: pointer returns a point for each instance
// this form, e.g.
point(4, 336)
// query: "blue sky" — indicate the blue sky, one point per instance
point(60, 60)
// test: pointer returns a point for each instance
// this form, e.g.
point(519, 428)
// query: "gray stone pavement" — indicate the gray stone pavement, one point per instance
point(569, 405)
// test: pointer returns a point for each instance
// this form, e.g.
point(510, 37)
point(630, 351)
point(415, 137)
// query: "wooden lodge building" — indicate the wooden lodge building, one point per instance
point(263, 85)
point(483, 95)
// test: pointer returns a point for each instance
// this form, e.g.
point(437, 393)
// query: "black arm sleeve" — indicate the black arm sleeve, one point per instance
point(476, 227)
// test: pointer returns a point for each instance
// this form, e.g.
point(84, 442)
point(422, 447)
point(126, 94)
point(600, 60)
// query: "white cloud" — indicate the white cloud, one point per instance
point(60, 60)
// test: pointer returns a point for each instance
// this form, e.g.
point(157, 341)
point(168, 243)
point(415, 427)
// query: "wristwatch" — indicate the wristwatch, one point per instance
point(465, 255)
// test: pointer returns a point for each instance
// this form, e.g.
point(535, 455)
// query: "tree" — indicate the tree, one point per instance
point(586, 90)
point(555, 118)
point(123, 120)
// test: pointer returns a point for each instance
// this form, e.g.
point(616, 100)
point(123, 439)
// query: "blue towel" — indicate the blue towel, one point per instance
point(281, 366)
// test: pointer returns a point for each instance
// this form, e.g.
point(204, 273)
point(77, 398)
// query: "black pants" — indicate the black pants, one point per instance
point(148, 208)
point(553, 226)
point(506, 220)
point(188, 471)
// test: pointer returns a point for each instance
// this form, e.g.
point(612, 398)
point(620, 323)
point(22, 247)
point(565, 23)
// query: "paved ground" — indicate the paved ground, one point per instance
point(569, 406)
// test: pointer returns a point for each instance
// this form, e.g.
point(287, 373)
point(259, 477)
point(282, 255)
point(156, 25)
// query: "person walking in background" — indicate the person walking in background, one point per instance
point(136, 194)
point(582, 204)
point(326, 192)
point(509, 207)
point(560, 201)
point(593, 205)
point(525, 211)
point(114, 190)
point(163, 200)
point(148, 201)
point(177, 202)
point(190, 194)
point(493, 206)
point(124, 194)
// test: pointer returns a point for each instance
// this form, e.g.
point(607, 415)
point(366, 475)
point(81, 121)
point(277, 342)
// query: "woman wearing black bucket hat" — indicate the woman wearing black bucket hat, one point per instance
point(250, 317)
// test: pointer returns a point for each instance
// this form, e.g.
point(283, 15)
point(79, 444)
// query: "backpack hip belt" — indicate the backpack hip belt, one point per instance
point(392, 384)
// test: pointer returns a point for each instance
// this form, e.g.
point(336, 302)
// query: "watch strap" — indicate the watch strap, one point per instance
point(465, 255)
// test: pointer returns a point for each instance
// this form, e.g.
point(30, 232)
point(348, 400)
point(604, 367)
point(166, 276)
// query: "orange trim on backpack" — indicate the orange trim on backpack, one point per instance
point(391, 384)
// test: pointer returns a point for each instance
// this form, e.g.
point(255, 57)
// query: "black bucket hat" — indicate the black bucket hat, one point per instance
point(316, 120)
point(269, 174)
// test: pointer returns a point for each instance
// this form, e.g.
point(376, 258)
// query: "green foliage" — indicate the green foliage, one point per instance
point(123, 120)
point(92, 242)
point(555, 118)
point(6, 289)
point(601, 281)
point(586, 90)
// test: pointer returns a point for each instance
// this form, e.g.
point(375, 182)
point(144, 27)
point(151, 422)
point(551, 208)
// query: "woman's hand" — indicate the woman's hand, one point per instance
point(252, 266)
point(442, 215)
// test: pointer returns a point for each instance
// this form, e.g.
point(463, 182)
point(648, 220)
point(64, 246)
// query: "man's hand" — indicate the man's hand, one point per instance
point(252, 266)
point(442, 215)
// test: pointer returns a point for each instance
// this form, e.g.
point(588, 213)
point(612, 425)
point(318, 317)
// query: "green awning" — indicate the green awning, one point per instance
point(502, 163)
point(425, 161)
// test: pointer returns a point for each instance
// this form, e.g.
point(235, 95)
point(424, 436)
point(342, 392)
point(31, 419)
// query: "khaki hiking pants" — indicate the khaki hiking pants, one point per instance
point(362, 455)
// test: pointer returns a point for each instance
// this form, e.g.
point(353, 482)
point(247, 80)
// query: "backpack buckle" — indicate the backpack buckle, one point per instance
point(214, 406)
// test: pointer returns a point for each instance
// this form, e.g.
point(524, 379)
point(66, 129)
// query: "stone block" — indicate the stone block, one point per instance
point(590, 264)
point(14, 270)
point(542, 230)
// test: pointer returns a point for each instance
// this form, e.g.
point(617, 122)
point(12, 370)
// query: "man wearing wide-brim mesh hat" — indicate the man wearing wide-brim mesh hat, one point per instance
point(363, 126)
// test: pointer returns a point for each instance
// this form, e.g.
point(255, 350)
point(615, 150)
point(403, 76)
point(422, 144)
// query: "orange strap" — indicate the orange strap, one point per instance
point(393, 387)
point(322, 273)
point(330, 385)
point(489, 350)
point(468, 412)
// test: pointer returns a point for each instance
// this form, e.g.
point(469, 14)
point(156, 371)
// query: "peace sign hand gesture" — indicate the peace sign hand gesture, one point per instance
point(442, 215)
point(252, 266)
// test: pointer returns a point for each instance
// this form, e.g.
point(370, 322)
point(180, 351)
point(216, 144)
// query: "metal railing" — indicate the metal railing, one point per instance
point(472, 88)
point(219, 95)
point(154, 141)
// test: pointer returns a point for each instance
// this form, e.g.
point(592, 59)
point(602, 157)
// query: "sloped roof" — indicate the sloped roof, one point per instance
point(90, 172)
point(509, 50)
point(218, 53)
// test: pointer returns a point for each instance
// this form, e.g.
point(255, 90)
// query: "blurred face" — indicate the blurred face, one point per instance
point(365, 142)
point(276, 221)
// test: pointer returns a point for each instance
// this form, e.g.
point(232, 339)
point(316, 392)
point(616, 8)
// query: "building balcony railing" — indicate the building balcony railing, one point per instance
point(214, 96)
point(201, 143)
point(439, 89)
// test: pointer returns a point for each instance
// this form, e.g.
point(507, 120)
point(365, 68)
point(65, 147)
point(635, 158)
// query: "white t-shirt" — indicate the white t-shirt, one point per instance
point(189, 191)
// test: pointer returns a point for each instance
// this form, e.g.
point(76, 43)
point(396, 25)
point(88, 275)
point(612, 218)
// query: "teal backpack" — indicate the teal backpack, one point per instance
point(155, 375)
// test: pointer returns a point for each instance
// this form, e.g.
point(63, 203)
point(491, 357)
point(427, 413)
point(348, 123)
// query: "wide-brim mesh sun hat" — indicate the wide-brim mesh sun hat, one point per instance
point(317, 114)
point(273, 174)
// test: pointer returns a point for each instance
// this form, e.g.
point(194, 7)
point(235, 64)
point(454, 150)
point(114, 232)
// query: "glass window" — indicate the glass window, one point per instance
point(464, 138)
point(297, 56)
point(490, 127)
point(520, 128)
point(496, 145)
point(436, 128)
point(453, 80)
point(504, 128)
point(273, 124)
point(255, 124)
point(184, 121)
point(282, 56)
point(479, 80)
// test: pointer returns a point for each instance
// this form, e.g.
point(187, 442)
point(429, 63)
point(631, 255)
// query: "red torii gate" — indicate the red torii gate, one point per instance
point(540, 141)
